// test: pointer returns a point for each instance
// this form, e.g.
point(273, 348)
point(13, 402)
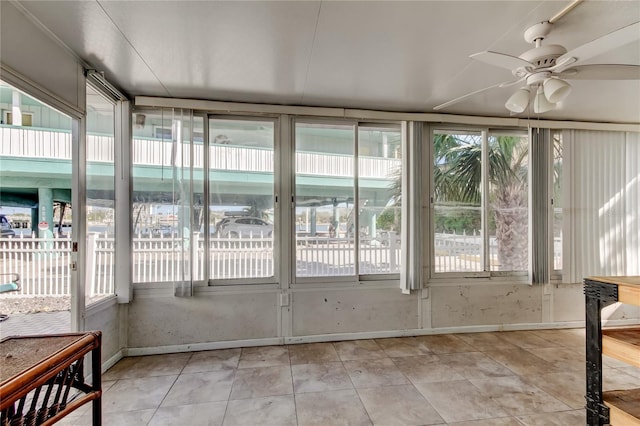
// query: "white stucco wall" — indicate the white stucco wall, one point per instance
point(239, 316)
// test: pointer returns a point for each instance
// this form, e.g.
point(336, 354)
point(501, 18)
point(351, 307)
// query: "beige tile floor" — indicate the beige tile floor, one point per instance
point(507, 378)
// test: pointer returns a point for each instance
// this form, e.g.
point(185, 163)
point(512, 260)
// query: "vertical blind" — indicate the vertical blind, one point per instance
point(604, 189)
point(540, 259)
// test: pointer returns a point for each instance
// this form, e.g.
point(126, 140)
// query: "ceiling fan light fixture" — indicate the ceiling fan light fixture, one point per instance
point(541, 104)
point(518, 101)
point(556, 90)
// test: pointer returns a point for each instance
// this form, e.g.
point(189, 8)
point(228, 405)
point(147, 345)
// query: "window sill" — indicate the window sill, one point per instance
point(517, 278)
point(101, 305)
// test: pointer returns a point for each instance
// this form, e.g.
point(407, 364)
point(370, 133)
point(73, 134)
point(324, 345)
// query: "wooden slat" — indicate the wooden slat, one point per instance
point(632, 281)
point(624, 407)
point(622, 344)
point(629, 294)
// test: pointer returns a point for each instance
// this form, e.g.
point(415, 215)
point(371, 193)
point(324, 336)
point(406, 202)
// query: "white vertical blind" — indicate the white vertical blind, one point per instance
point(632, 200)
point(603, 210)
point(539, 157)
point(411, 273)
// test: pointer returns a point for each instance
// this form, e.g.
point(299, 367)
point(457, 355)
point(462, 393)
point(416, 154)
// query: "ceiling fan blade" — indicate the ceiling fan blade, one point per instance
point(501, 60)
point(512, 83)
point(598, 46)
point(468, 95)
point(601, 72)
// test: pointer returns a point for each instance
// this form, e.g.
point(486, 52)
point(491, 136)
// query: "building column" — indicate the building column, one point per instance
point(373, 226)
point(16, 109)
point(336, 217)
point(313, 220)
point(45, 207)
point(34, 220)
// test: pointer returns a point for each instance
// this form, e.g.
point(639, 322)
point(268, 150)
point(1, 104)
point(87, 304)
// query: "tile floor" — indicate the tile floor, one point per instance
point(507, 378)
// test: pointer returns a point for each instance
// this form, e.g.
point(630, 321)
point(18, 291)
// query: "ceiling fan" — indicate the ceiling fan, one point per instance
point(544, 69)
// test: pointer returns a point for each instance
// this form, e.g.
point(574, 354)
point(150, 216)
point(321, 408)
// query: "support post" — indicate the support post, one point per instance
point(597, 296)
point(16, 109)
point(45, 207)
point(313, 221)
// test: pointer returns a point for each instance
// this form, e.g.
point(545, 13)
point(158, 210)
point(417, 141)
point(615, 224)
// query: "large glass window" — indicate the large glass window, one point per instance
point(347, 199)
point(241, 210)
point(380, 199)
point(36, 215)
point(167, 191)
point(457, 214)
point(480, 182)
point(100, 201)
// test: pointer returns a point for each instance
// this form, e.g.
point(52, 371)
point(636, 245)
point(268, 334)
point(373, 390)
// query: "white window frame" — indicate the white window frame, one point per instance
point(277, 234)
point(486, 273)
point(357, 277)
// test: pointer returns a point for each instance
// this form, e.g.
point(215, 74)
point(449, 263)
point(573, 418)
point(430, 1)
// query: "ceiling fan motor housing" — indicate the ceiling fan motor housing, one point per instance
point(544, 56)
point(538, 78)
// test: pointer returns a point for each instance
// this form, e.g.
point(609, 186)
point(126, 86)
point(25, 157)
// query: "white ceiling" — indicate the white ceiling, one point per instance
point(397, 56)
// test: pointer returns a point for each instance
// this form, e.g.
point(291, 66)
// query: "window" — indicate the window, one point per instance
point(167, 192)
point(480, 201)
point(241, 212)
point(35, 207)
point(27, 118)
point(100, 198)
point(347, 199)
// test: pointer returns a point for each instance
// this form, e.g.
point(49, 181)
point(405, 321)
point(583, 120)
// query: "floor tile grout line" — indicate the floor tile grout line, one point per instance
point(170, 387)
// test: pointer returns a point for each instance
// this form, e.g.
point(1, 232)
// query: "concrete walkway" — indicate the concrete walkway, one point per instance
point(40, 323)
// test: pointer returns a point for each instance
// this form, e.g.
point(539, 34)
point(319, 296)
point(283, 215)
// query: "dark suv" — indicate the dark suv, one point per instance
point(6, 228)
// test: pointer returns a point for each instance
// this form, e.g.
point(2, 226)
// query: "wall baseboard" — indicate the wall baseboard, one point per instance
point(113, 360)
point(194, 347)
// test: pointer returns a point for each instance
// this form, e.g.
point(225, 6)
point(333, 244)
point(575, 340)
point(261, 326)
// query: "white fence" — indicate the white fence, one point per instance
point(47, 143)
point(43, 265)
point(462, 252)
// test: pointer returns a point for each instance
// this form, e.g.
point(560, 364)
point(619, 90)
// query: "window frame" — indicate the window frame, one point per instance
point(117, 162)
point(337, 280)
point(486, 274)
point(277, 234)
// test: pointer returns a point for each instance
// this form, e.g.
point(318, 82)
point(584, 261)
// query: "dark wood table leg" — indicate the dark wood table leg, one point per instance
point(597, 296)
point(96, 373)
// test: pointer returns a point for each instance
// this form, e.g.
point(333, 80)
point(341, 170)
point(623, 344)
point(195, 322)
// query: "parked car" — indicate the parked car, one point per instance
point(243, 227)
point(6, 228)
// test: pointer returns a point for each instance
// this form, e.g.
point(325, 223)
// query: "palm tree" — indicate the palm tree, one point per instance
point(458, 177)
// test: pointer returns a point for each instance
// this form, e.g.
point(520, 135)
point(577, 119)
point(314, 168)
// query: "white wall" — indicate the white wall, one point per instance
point(35, 56)
point(238, 316)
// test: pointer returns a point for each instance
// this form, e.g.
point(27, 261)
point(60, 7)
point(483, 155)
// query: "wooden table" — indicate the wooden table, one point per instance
point(615, 407)
point(42, 377)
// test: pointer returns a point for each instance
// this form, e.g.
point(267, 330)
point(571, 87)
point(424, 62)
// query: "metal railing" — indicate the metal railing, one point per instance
point(56, 144)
